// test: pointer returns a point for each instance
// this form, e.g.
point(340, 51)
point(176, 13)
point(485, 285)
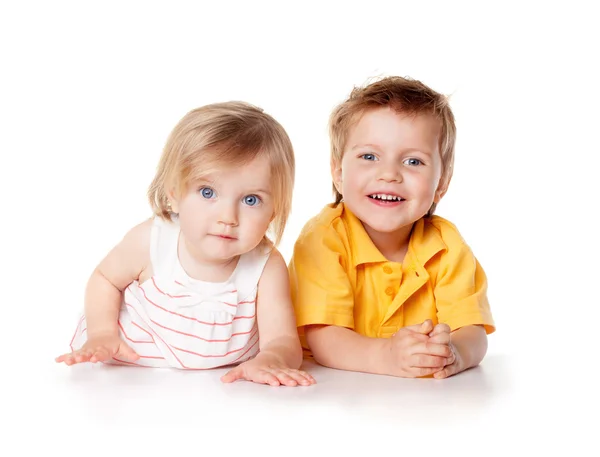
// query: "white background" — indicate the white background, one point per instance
point(89, 93)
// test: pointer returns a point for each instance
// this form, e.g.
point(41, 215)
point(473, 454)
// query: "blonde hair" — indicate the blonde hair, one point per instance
point(225, 134)
point(404, 95)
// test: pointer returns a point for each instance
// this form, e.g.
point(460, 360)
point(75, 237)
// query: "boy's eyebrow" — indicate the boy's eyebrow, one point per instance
point(368, 145)
point(374, 146)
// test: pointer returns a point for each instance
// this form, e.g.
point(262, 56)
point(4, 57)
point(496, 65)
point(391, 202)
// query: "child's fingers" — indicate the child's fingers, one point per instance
point(424, 328)
point(233, 375)
point(301, 377)
point(419, 372)
point(285, 377)
point(427, 361)
point(72, 358)
point(101, 354)
point(304, 375)
point(451, 367)
point(429, 348)
point(260, 377)
point(82, 356)
point(440, 338)
point(448, 371)
point(63, 357)
point(452, 358)
point(264, 377)
point(127, 353)
point(416, 327)
point(440, 328)
point(67, 359)
point(411, 333)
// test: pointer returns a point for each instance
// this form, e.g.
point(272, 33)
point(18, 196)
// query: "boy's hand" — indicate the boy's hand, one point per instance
point(441, 334)
point(456, 366)
point(268, 370)
point(99, 349)
point(413, 353)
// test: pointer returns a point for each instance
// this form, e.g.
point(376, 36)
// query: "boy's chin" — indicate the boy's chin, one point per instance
point(387, 226)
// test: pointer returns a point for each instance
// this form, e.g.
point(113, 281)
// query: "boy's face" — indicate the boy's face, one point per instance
point(391, 168)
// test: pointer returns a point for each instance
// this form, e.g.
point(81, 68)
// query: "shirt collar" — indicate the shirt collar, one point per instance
point(425, 241)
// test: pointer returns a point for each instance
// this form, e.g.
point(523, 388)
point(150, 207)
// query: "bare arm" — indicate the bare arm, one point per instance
point(468, 343)
point(103, 296)
point(409, 353)
point(275, 315)
point(344, 349)
point(280, 353)
point(471, 343)
point(121, 266)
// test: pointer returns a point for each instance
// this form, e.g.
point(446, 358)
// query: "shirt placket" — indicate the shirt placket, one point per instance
point(392, 279)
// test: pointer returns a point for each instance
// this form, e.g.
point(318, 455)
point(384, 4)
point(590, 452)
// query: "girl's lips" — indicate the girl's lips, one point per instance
point(225, 237)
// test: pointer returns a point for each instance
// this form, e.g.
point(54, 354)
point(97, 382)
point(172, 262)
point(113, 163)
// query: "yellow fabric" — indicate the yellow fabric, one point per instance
point(339, 277)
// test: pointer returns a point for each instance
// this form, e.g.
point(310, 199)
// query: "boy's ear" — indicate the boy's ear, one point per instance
point(441, 190)
point(336, 175)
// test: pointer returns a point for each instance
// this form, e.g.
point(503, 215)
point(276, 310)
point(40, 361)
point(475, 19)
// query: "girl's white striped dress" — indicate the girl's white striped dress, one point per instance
point(172, 320)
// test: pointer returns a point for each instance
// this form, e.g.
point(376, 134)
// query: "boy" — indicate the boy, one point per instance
point(380, 284)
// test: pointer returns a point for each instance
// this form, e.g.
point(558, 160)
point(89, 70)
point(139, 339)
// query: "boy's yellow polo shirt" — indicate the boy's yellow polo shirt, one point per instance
point(338, 277)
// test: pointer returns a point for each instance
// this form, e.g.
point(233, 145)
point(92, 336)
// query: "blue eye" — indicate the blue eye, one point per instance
point(368, 156)
point(413, 162)
point(207, 192)
point(251, 200)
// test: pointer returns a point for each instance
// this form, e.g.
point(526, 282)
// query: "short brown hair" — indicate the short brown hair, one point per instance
point(229, 133)
point(404, 95)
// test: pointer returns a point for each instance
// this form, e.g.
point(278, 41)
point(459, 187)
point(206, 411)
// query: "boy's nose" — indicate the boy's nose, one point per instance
point(390, 174)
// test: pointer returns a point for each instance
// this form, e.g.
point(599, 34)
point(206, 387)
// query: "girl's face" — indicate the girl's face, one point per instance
point(227, 213)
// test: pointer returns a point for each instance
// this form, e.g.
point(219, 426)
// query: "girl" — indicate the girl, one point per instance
point(195, 285)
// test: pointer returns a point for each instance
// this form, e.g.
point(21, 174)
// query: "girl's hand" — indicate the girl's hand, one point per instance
point(99, 349)
point(267, 370)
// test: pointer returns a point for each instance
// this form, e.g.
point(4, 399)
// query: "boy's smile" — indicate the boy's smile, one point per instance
point(386, 199)
point(390, 172)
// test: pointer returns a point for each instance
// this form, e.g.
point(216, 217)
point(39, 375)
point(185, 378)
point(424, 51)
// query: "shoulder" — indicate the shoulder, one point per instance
point(134, 248)
point(140, 234)
point(324, 229)
point(275, 260)
point(275, 268)
point(138, 237)
point(446, 230)
point(130, 257)
point(456, 254)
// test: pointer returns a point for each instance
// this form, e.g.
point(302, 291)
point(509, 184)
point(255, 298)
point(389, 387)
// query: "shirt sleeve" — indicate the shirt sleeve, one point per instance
point(320, 287)
point(461, 290)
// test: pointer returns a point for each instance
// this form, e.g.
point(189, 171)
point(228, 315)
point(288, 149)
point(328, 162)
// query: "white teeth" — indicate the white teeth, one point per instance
point(385, 197)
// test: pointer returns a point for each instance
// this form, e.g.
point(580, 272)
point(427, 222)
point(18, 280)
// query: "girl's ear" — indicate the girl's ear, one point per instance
point(173, 202)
